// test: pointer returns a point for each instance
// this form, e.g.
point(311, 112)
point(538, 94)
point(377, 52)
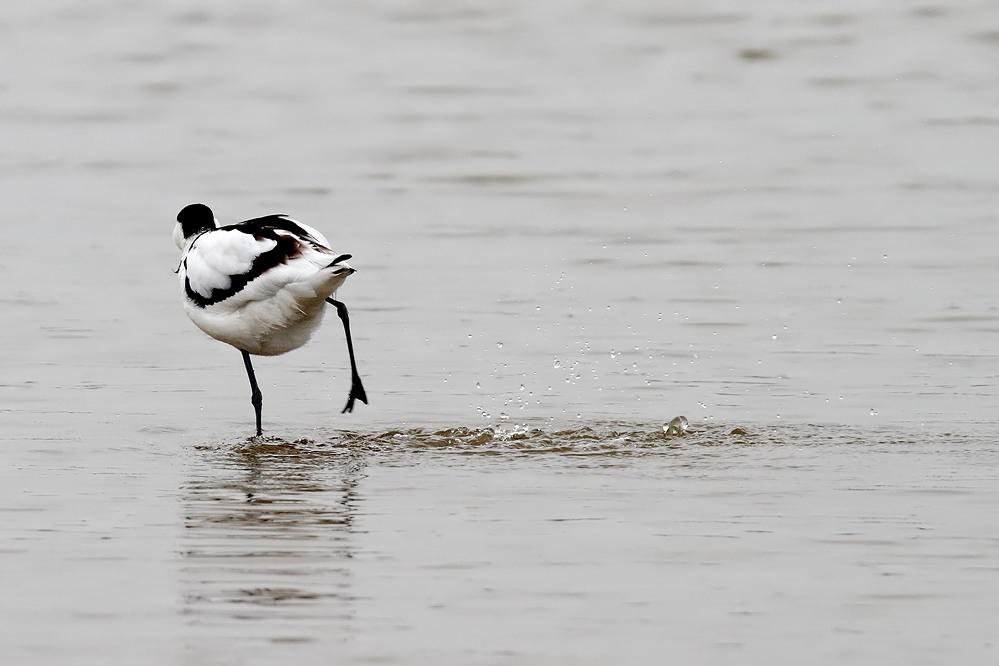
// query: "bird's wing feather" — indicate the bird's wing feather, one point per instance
point(220, 263)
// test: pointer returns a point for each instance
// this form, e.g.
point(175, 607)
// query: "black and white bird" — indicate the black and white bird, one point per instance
point(261, 286)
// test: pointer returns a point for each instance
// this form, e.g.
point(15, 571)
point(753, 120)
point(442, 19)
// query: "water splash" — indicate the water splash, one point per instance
point(588, 439)
point(505, 439)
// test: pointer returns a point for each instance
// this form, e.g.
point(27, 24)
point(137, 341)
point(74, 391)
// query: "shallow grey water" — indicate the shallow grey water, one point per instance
point(572, 222)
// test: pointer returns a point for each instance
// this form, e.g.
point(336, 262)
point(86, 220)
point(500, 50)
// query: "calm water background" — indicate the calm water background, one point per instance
point(572, 221)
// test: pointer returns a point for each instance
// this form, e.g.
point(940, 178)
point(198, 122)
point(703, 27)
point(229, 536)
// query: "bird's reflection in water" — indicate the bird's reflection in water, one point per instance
point(267, 541)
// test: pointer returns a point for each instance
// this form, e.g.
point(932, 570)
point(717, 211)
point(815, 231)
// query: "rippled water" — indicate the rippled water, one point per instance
point(596, 544)
point(572, 223)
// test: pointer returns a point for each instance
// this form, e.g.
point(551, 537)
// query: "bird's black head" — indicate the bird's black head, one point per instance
point(195, 219)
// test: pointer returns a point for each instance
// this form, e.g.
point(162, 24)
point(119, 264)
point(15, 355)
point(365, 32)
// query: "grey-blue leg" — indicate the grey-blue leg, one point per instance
point(256, 398)
point(356, 388)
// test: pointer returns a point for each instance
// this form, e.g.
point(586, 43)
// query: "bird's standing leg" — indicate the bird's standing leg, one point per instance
point(356, 388)
point(256, 398)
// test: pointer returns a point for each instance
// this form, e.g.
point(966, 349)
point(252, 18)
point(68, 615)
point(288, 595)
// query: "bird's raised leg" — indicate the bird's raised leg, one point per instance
point(356, 388)
point(256, 398)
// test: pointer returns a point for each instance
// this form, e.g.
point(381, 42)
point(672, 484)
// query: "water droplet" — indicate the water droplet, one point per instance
point(557, 364)
point(522, 387)
point(478, 385)
point(774, 336)
point(677, 427)
point(503, 415)
point(873, 413)
point(499, 345)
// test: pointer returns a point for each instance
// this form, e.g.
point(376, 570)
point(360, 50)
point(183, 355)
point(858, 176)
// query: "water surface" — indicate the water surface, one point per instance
point(572, 222)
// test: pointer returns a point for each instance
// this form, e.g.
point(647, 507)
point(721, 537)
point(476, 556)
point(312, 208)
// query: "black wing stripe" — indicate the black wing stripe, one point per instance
point(265, 226)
